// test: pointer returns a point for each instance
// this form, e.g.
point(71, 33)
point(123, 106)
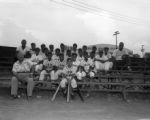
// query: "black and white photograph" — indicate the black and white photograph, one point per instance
point(74, 60)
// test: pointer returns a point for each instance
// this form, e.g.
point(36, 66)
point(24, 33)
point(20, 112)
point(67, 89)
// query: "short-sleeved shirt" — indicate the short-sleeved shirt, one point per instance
point(23, 51)
point(118, 54)
point(69, 70)
point(86, 65)
point(36, 58)
point(61, 64)
point(91, 61)
point(80, 58)
point(32, 52)
point(76, 63)
point(54, 75)
point(24, 66)
point(43, 55)
point(48, 64)
point(106, 57)
point(74, 52)
point(100, 57)
point(55, 59)
point(66, 57)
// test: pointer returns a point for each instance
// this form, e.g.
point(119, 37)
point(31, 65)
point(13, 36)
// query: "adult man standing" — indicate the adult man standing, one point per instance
point(33, 47)
point(23, 48)
point(118, 56)
point(118, 53)
point(21, 72)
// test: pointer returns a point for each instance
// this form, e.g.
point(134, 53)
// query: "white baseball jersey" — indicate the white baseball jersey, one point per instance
point(86, 65)
point(80, 58)
point(61, 64)
point(55, 59)
point(36, 58)
point(69, 70)
point(48, 64)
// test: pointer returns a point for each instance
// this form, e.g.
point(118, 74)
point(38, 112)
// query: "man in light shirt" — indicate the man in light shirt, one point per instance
point(118, 53)
point(33, 47)
point(118, 56)
point(74, 48)
point(21, 72)
point(23, 49)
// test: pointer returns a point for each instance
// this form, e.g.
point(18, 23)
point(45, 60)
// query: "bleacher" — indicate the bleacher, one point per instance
point(6, 61)
point(121, 80)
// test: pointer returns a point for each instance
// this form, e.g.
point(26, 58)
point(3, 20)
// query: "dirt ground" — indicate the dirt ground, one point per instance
point(99, 106)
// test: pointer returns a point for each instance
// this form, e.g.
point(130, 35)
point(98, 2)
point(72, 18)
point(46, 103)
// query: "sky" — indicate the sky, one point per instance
point(85, 22)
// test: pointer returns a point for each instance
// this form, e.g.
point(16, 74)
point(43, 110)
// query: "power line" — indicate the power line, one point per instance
point(111, 12)
point(63, 4)
point(120, 18)
point(68, 4)
point(77, 8)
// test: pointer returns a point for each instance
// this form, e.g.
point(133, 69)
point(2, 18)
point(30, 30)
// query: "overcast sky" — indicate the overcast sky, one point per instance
point(45, 21)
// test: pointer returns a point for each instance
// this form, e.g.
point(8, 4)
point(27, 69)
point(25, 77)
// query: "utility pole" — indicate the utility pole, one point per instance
point(142, 50)
point(116, 33)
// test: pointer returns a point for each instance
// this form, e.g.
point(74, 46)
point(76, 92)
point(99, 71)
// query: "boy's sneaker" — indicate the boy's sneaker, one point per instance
point(87, 95)
point(64, 93)
point(72, 96)
point(15, 96)
point(29, 98)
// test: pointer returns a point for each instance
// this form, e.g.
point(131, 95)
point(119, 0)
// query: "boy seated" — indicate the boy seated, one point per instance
point(80, 74)
point(55, 56)
point(75, 62)
point(80, 55)
point(47, 67)
point(57, 69)
point(107, 56)
point(74, 48)
point(88, 65)
point(43, 51)
point(68, 54)
point(62, 62)
point(37, 60)
point(68, 76)
point(102, 62)
point(54, 74)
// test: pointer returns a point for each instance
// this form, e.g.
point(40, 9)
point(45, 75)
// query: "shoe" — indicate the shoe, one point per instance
point(64, 92)
point(72, 96)
point(15, 96)
point(87, 95)
point(29, 98)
